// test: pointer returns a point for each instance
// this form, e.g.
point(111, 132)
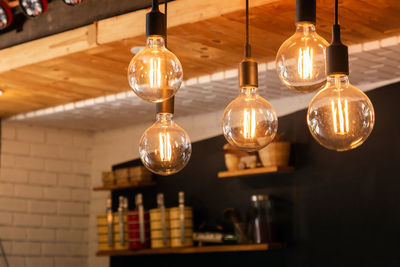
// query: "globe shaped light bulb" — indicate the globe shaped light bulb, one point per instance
point(340, 117)
point(155, 73)
point(300, 62)
point(165, 148)
point(249, 122)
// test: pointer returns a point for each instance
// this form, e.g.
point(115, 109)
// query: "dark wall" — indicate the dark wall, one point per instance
point(342, 207)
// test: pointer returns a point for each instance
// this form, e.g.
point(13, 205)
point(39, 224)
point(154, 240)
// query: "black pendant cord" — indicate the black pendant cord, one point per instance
point(155, 5)
point(166, 106)
point(337, 55)
point(247, 52)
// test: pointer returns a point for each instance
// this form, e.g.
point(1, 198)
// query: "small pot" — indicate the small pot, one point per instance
point(232, 162)
point(275, 154)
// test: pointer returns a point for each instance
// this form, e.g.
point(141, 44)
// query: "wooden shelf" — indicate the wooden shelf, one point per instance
point(123, 186)
point(192, 250)
point(255, 171)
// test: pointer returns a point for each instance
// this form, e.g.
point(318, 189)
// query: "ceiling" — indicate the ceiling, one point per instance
point(372, 64)
point(207, 36)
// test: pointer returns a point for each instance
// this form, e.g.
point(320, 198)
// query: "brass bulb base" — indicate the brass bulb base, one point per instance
point(166, 106)
point(248, 73)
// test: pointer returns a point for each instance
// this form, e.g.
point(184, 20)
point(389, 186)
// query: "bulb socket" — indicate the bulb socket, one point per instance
point(248, 73)
point(155, 22)
point(337, 55)
point(306, 10)
point(166, 106)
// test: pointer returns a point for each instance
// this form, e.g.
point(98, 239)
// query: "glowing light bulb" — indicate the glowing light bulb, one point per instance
point(249, 122)
point(155, 73)
point(165, 148)
point(340, 117)
point(300, 61)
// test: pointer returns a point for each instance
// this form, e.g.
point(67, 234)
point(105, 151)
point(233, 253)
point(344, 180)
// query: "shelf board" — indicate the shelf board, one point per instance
point(123, 186)
point(192, 250)
point(255, 171)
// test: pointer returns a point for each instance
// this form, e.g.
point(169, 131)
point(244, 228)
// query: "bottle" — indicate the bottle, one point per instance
point(259, 228)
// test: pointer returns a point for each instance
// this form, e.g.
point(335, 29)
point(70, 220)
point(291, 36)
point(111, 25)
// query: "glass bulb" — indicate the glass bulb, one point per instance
point(340, 117)
point(165, 147)
point(300, 61)
point(155, 73)
point(249, 122)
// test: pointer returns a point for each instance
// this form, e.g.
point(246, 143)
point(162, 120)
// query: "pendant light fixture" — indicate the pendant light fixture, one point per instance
point(340, 117)
point(6, 15)
point(165, 148)
point(155, 73)
point(249, 122)
point(300, 61)
point(33, 8)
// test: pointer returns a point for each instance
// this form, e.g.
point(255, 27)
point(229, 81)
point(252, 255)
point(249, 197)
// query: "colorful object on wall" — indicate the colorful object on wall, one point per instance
point(6, 15)
point(33, 8)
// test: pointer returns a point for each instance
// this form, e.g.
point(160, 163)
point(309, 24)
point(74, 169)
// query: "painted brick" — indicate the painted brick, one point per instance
point(12, 233)
point(73, 153)
point(42, 178)
point(29, 163)
point(5, 218)
point(80, 195)
point(30, 134)
point(80, 222)
point(25, 248)
point(83, 140)
point(41, 234)
point(58, 165)
point(58, 137)
point(57, 221)
point(8, 131)
point(56, 249)
point(22, 219)
point(7, 160)
point(82, 167)
point(44, 207)
point(14, 147)
point(70, 235)
point(13, 175)
point(71, 208)
point(73, 180)
point(79, 249)
point(57, 193)
point(28, 191)
point(45, 150)
point(71, 261)
point(12, 204)
point(39, 262)
point(6, 189)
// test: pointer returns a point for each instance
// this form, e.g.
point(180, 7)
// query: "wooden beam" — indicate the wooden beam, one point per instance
point(179, 12)
point(48, 48)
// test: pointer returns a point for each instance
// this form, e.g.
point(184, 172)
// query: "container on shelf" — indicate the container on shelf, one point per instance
point(139, 174)
point(121, 176)
point(159, 225)
point(275, 154)
point(108, 178)
point(139, 226)
point(181, 224)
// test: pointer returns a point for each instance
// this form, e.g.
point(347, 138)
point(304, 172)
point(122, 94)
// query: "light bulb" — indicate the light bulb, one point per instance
point(300, 62)
point(155, 73)
point(340, 117)
point(249, 122)
point(165, 148)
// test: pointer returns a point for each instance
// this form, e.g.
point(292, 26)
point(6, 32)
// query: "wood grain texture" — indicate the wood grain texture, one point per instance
point(255, 171)
point(207, 36)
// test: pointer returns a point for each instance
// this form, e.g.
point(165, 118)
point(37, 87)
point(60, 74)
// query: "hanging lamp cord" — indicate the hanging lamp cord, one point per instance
point(336, 12)
point(247, 52)
point(154, 5)
point(165, 20)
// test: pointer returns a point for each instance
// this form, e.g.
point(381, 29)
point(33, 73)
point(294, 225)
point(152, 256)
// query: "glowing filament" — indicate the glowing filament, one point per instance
point(340, 117)
point(155, 72)
point(165, 147)
point(249, 123)
point(305, 63)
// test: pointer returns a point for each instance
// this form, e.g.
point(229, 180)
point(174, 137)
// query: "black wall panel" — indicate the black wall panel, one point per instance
point(337, 208)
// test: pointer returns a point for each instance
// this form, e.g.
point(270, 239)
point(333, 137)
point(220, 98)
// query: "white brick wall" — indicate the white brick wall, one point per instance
point(44, 196)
